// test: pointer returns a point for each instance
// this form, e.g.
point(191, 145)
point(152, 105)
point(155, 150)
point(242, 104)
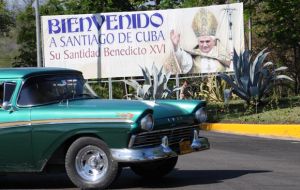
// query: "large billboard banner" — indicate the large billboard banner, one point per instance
point(183, 41)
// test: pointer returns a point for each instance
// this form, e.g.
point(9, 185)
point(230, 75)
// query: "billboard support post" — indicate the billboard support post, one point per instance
point(38, 34)
point(110, 95)
point(250, 32)
point(177, 84)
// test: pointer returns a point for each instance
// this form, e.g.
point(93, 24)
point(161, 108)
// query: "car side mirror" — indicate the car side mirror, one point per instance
point(7, 106)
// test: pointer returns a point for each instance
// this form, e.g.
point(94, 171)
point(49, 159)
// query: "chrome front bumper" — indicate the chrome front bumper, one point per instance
point(158, 152)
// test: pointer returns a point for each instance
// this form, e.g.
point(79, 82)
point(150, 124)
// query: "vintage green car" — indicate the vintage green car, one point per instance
point(50, 117)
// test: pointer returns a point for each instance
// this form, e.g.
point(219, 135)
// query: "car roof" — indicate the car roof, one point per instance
point(25, 72)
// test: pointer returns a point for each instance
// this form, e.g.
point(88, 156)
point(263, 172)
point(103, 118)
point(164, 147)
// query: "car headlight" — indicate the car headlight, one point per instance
point(201, 115)
point(147, 122)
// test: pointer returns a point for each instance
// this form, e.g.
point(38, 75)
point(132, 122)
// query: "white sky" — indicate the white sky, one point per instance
point(19, 4)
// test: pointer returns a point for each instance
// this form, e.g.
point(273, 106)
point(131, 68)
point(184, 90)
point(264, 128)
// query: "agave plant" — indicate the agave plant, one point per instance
point(253, 80)
point(155, 88)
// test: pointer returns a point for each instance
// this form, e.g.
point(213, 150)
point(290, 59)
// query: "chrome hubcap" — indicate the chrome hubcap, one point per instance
point(91, 163)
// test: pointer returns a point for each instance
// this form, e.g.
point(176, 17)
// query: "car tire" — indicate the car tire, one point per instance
point(89, 164)
point(155, 169)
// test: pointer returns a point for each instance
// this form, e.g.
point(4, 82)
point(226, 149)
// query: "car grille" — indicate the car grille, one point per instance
point(175, 135)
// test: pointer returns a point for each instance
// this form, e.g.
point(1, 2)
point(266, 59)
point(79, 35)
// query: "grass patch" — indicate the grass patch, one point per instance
point(285, 111)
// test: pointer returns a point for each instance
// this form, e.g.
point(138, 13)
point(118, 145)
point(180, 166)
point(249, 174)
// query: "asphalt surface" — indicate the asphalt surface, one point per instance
point(233, 162)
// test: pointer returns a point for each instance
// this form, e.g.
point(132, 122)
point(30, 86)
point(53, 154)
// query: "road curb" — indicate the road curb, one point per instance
point(267, 130)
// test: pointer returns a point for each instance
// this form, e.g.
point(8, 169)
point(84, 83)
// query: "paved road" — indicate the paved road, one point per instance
point(232, 163)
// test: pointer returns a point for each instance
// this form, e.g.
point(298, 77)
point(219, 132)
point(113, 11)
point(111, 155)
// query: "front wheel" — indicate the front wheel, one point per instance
point(155, 169)
point(89, 164)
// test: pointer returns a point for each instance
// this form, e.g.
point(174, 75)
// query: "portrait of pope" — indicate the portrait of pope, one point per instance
point(208, 55)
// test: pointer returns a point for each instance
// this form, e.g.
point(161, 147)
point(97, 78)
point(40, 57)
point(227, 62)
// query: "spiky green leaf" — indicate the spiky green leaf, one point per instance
point(279, 77)
point(134, 84)
point(269, 63)
point(281, 69)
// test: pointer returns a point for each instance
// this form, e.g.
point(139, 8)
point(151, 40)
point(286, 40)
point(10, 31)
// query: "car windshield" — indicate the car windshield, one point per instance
point(50, 89)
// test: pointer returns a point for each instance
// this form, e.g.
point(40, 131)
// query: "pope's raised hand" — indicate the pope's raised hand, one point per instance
point(175, 39)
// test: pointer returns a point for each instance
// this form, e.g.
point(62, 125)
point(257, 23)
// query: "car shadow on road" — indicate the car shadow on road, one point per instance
point(127, 180)
point(35, 181)
point(180, 178)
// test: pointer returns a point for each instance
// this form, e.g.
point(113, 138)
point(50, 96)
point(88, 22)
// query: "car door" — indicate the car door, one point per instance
point(15, 130)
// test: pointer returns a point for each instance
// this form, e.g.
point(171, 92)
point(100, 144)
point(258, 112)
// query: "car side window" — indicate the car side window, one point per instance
point(49, 89)
point(6, 91)
point(1, 93)
point(38, 90)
